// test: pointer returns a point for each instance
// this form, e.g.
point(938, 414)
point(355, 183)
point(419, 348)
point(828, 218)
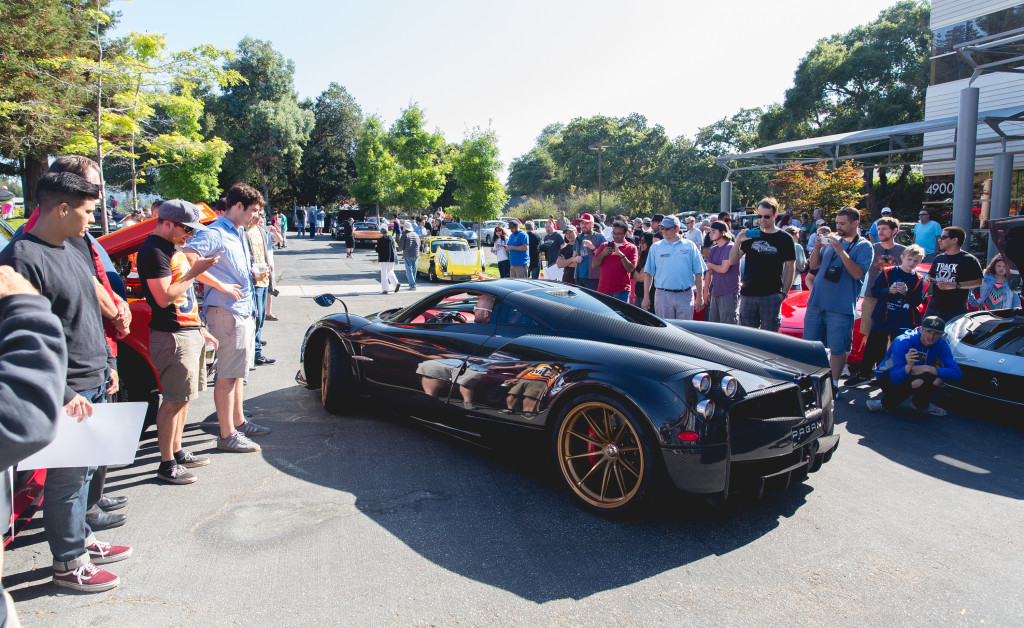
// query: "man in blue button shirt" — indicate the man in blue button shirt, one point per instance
point(674, 267)
point(518, 251)
point(230, 311)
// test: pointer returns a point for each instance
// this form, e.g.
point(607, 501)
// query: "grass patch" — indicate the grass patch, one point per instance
point(491, 270)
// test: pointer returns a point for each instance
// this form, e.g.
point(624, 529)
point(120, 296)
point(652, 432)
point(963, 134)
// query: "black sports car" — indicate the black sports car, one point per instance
point(621, 397)
point(989, 345)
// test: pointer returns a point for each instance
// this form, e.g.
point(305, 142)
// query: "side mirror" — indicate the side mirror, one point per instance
point(325, 300)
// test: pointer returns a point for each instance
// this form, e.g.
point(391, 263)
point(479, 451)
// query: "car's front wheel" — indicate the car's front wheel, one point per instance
point(603, 454)
point(431, 273)
point(335, 377)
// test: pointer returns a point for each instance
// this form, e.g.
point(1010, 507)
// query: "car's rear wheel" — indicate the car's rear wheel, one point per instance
point(603, 454)
point(432, 274)
point(335, 377)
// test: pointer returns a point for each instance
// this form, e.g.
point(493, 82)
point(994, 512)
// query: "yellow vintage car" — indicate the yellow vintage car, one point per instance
point(445, 257)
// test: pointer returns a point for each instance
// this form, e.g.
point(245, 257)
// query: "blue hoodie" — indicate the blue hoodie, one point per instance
point(938, 355)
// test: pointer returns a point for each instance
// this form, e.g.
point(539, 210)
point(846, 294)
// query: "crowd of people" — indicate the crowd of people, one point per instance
point(742, 276)
point(67, 338)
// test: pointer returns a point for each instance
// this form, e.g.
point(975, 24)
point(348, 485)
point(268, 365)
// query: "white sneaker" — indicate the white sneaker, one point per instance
point(874, 406)
point(934, 410)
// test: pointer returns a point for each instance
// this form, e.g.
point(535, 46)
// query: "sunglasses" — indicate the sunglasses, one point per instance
point(944, 237)
point(187, 228)
point(764, 217)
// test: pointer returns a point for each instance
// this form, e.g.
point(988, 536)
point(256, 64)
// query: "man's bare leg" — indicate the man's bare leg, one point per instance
point(167, 435)
point(224, 401)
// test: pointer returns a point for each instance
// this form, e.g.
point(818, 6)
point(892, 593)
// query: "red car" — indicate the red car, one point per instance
point(138, 377)
point(795, 306)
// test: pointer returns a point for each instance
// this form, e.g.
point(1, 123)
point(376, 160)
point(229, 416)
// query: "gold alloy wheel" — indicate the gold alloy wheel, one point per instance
point(600, 454)
point(324, 382)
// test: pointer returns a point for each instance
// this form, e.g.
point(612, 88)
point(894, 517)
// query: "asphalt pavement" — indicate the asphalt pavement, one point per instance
point(369, 520)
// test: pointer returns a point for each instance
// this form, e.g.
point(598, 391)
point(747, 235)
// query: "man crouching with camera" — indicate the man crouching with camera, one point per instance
point(842, 260)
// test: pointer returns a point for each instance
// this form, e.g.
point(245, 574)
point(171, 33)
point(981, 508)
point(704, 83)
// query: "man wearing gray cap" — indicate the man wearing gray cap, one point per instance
point(177, 340)
point(410, 245)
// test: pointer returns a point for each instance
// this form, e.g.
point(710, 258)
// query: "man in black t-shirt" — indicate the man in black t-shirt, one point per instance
point(768, 271)
point(952, 276)
point(66, 202)
point(177, 340)
point(567, 257)
point(552, 245)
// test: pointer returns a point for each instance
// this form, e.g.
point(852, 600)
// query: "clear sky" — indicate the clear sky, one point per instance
point(519, 66)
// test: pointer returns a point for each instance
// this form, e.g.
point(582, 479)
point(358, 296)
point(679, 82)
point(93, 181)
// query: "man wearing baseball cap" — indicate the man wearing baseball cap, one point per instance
point(177, 340)
point(916, 365)
point(873, 231)
point(587, 242)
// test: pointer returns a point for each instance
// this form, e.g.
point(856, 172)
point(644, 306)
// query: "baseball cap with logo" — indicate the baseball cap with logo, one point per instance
point(886, 210)
point(587, 218)
point(183, 212)
point(669, 221)
point(934, 323)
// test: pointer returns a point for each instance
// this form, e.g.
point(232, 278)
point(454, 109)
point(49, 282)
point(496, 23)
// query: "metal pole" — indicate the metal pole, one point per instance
point(600, 207)
point(966, 146)
point(726, 203)
point(1002, 178)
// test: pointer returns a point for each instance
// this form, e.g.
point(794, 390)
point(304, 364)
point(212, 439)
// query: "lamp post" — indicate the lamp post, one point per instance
point(599, 147)
point(671, 186)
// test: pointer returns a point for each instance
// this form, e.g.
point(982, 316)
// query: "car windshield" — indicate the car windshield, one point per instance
point(490, 224)
point(598, 304)
point(364, 226)
point(449, 245)
point(456, 225)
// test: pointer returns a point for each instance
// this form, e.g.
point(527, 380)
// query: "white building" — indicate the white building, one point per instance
point(954, 22)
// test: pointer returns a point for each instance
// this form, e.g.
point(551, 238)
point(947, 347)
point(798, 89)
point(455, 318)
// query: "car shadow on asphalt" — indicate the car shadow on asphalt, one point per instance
point(499, 516)
point(966, 450)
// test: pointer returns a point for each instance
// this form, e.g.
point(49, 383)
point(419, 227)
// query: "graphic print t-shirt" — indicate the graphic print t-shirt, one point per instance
point(159, 258)
point(766, 254)
point(962, 267)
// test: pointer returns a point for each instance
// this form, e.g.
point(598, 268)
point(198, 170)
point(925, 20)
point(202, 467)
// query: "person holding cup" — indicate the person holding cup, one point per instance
point(260, 283)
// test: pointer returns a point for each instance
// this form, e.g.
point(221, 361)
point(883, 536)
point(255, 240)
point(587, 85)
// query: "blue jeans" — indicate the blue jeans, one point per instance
point(504, 269)
point(259, 295)
point(621, 296)
point(410, 272)
point(65, 497)
point(301, 226)
point(534, 272)
point(833, 329)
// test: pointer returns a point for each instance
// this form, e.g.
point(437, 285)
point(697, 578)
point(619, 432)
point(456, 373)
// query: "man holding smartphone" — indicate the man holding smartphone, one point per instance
point(916, 365)
point(769, 270)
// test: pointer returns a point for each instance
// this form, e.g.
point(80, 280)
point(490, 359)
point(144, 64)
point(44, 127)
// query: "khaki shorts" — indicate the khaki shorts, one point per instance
point(180, 360)
point(235, 337)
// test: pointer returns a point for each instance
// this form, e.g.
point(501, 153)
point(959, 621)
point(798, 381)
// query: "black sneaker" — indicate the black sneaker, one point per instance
point(265, 360)
point(177, 474)
point(856, 379)
point(190, 460)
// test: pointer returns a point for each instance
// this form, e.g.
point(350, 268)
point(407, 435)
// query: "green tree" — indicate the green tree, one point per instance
point(421, 158)
point(42, 91)
point(149, 116)
point(260, 117)
point(375, 166)
point(480, 193)
point(328, 156)
point(874, 75)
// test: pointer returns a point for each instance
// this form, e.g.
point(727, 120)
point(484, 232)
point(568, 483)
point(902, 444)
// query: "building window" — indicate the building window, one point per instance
point(947, 65)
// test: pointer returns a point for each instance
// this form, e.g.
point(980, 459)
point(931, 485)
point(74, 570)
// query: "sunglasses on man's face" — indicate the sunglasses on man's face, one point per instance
point(187, 228)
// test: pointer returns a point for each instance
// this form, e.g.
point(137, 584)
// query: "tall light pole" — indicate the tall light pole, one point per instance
point(671, 186)
point(599, 147)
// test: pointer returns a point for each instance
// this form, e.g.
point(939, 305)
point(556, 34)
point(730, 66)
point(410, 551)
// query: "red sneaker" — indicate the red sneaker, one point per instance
point(88, 578)
point(101, 553)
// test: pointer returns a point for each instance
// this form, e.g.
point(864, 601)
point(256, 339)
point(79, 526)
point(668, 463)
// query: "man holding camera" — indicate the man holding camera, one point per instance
point(843, 259)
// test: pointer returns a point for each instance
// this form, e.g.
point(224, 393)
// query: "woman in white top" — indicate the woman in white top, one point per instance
point(498, 248)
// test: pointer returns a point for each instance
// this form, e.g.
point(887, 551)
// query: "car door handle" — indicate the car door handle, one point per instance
point(362, 358)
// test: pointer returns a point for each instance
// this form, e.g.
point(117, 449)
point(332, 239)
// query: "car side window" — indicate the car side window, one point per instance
point(511, 316)
point(452, 308)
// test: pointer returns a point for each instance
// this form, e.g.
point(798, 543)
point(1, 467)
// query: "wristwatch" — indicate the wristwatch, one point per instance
point(958, 285)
